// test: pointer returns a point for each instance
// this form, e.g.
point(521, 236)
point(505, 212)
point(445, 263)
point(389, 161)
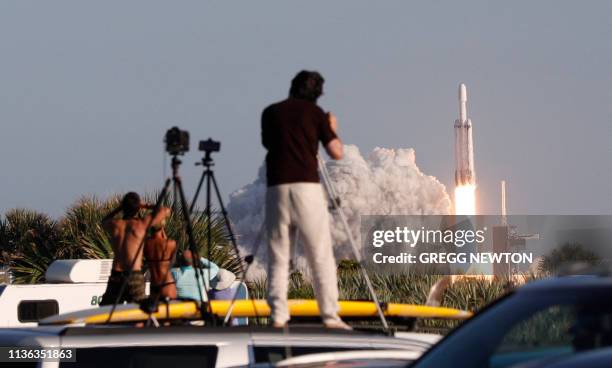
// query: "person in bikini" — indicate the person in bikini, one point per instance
point(126, 236)
point(159, 252)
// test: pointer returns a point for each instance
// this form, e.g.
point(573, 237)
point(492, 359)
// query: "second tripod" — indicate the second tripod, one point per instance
point(186, 212)
point(208, 175)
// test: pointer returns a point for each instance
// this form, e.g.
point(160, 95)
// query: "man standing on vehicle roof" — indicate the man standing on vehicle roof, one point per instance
point(127, 236)
point(291, 131)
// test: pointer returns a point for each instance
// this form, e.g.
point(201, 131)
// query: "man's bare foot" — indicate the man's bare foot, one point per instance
point(279, 325)
point(338, 325)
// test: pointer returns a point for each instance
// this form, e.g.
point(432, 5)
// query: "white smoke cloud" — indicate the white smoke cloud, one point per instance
point(388, 182)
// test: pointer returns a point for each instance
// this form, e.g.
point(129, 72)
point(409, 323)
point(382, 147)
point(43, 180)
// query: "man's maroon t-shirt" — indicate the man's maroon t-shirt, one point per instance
point(291, 131)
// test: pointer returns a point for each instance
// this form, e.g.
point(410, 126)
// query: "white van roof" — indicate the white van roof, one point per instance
point(79, 271)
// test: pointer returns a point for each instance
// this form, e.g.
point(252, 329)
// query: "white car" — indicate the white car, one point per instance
point(71, 285)
point(191, 346)
point(355, 358)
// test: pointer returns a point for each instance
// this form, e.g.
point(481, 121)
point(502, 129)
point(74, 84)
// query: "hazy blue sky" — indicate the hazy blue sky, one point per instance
point(87, 90)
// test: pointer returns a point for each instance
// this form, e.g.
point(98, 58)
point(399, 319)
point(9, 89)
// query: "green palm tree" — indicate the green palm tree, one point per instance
point(30, 265)
point(5, 255)
point(82, 233)
point(30, 242)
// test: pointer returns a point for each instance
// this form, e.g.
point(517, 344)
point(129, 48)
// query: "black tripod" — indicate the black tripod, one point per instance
point(211, 183)
point(186, 211)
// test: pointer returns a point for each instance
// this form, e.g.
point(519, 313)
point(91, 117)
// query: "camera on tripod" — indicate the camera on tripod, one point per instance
point(210, 146)
point(177, 141)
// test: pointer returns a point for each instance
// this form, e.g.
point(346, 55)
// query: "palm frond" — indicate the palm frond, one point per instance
point(30, 265)
point(30, 240)
point(82, 233)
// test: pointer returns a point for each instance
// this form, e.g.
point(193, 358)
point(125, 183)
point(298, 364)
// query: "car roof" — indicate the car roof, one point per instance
point(253, 333)
point(114, 335)
point(253, 330)
point(33, 331)
point(338, 356)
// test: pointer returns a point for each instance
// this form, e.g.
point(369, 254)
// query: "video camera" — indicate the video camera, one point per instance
point(210, 146)
point(177, 141)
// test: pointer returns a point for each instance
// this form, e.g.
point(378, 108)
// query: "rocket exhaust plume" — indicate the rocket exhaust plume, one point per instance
point(465, 200)
point(465, 175)
point(384, 181)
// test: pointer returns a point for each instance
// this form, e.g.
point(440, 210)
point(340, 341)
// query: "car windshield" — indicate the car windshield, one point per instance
point(527, 326)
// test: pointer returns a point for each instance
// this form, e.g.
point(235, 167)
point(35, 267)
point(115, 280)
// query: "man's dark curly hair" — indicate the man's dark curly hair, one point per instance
point(307, 85)
point(130, 205)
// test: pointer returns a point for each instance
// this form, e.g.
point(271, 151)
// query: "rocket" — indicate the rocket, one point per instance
point(464, 145)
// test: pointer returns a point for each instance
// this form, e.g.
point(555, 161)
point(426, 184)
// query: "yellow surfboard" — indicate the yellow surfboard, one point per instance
point(189, 310)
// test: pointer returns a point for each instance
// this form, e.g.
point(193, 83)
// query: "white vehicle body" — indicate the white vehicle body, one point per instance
point(71, 285)
point(406, 356)
point(24, 305)
point(122, 346)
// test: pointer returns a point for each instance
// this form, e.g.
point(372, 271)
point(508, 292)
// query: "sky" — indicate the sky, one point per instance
point(88, 89)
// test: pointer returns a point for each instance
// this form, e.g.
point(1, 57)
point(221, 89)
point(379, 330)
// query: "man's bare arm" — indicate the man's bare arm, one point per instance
point(107, 221)
point(334, 148)
point(161, 215)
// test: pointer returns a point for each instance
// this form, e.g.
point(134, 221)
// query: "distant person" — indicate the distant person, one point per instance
point(221, 285)
point(187, 280)
point(291, 131)
point(224, 287)
point(159, 254)
point(126, 236)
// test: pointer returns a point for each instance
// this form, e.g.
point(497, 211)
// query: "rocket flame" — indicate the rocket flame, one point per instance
point(465, 200)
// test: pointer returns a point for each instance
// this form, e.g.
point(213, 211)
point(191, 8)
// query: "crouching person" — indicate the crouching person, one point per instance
point(189, 285)
point(225, 287)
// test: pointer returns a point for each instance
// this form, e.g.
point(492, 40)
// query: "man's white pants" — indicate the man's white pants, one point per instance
point(304, 206)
